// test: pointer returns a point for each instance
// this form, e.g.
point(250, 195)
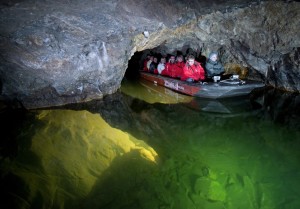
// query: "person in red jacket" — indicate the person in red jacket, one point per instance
point(145, 63)
point(192, 71)
point(171, 67)
point(179, 66)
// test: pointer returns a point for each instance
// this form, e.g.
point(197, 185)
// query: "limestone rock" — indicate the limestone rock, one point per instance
point(58, 52)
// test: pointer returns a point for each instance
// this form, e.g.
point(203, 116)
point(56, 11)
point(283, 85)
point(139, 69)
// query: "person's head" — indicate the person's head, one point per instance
point(179, 58)
point(190, 51)
point(151, 58)
point(163, 60)
point(172, 59)
point(213, 56)
point(155, 59)
point(191, 59)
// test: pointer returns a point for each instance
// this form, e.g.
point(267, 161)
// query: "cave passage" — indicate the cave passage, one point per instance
point(135, 64)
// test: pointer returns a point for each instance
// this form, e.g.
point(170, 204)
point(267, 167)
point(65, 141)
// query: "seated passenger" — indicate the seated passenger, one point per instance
point(145, 63)
point(153, 65)
point(179, 66)
point(192, 71)
point(148, 63)
point(213, 67)
point(161, 67)
point(171, 67)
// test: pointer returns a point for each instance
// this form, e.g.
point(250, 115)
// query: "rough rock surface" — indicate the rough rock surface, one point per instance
point(58, 52)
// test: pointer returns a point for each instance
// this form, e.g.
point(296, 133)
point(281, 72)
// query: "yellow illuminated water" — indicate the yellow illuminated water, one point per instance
point(169, 153)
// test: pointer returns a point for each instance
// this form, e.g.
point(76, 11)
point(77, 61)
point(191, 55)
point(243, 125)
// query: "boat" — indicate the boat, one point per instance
point(231, 107)
point(232, 87)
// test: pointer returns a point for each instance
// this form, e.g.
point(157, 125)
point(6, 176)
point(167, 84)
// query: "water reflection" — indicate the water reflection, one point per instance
point(151, 150)
point(152, 93)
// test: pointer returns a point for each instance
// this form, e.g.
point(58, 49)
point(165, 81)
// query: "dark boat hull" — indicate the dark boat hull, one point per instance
point(208, 90)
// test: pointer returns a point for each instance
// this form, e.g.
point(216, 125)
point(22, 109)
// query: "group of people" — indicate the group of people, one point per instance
point(189, 70)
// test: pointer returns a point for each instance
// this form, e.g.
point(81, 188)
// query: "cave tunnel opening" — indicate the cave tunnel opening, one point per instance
point(136, 63)
point(232, 59)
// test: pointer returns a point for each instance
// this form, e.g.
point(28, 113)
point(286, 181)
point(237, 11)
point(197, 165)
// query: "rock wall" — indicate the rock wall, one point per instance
point(58, 52)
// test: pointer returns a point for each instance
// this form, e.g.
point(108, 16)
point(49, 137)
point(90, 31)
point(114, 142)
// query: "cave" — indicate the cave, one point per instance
point(52, 54)
point(78, 131)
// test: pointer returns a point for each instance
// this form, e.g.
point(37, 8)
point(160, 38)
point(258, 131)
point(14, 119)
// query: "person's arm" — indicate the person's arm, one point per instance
point(209, 69)
point(218, 68)
point(152, 68)
point(222, 68)
point(184, 72)
point(201, 73)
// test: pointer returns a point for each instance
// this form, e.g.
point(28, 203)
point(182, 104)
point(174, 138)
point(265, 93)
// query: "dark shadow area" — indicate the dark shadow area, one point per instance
point(130, 183)
point(134, 66)
point(283, 108)
point(12, 120)
point(9, 3)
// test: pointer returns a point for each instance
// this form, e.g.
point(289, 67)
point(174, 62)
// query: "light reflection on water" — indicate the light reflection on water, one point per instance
point(151, 93)
point(152, 148)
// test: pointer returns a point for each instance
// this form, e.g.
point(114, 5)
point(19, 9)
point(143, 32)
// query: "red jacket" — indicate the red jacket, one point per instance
point(195, 72)
point(179, 69)
point(171, 69)
point(165, 72)
point(145, 65)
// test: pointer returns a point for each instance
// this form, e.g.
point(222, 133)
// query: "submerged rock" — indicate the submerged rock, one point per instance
point(60, 164)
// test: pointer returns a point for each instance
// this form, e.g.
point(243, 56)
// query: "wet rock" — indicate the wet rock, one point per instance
point(58, 52)
point(284, 71)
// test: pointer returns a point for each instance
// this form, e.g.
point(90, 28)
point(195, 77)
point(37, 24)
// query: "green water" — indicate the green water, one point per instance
point(150, 148)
